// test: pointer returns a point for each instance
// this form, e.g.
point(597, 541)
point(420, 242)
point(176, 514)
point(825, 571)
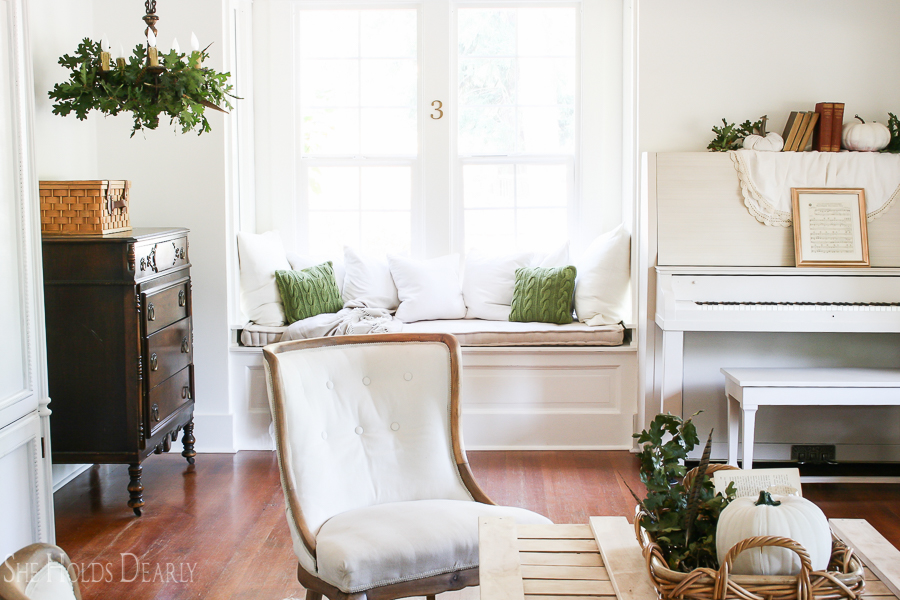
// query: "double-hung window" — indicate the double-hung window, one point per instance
point(358, 90)
point(517, 125)
point(430, 127)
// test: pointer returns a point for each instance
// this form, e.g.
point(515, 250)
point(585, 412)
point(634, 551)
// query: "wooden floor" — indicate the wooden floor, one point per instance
point(217, 530)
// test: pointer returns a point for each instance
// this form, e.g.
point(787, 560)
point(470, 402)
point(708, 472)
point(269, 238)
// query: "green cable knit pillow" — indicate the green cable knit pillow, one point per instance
point(543, 295)
point(309, 292)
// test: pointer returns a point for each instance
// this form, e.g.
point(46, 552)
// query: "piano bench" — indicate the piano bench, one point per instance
point(748, 389)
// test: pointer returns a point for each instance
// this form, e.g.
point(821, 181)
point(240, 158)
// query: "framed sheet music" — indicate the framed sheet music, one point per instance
point(830, 227)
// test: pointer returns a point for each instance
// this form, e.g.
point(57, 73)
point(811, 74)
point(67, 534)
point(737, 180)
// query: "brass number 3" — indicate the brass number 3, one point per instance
point(437, 109)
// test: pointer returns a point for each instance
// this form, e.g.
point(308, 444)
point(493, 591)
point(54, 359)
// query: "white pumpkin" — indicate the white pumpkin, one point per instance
point(764, 142)
point(865, 137)
point(784, 516)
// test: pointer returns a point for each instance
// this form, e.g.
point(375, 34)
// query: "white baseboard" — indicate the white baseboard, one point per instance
point(63, 474)
point(214, 433)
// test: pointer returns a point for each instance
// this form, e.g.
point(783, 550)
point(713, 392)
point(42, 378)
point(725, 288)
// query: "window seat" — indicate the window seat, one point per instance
point(477, 332)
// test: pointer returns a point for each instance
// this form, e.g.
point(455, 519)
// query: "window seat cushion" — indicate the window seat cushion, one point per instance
point(476, 332)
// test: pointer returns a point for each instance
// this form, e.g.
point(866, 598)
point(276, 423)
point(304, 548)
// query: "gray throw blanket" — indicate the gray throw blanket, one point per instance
point(356, 318)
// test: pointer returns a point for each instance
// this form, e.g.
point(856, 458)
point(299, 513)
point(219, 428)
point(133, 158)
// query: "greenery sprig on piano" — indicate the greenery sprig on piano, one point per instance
point(681, 521)
point(731, 136)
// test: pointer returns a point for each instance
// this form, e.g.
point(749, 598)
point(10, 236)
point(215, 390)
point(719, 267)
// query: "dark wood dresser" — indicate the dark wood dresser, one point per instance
point(119, 347)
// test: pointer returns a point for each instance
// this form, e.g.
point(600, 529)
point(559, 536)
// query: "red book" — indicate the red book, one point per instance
point(838, 127)
point(822, 134)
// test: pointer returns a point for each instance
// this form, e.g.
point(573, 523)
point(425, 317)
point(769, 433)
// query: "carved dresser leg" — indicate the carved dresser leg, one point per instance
point(135, 488)
point(188, 440)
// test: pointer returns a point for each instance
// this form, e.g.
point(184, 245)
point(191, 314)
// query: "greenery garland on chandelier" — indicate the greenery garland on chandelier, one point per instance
point(147, 84)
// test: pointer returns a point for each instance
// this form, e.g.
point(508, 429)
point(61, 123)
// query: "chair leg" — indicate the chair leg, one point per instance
point(311, 595)
point(431, 597)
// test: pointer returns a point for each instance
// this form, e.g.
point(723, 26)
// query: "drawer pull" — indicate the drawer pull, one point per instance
point(151, 312)
point(182, 298)
point(185, 347)
point(186, 392)
point(154, 362)
point(154, 412)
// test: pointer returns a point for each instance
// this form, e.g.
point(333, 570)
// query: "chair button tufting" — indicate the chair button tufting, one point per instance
point(324, 435)
point(366, 381)
point(329, 385)
point(395, 426)
point(408, 377)
point(358, 430)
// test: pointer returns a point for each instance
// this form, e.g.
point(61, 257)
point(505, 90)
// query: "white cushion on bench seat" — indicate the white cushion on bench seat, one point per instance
point(475, 332)
point(416, 539)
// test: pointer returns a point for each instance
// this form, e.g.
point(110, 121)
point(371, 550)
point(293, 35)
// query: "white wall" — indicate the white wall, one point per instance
point(702, 60)
point(177, 180)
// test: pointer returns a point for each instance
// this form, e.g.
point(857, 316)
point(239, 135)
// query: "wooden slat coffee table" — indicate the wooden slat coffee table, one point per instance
point(603, 561)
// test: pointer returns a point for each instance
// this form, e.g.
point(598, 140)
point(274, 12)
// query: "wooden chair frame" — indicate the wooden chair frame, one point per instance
point(36, 556)
point(427, 586)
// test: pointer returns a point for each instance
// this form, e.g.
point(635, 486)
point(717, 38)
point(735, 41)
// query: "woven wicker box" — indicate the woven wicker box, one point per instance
point(84, 207)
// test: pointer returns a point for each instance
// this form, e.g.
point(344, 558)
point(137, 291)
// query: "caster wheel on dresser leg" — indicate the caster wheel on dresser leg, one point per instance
point(135, 488)
point(188, 440)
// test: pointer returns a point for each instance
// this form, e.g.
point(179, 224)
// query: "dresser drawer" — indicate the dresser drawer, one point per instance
point(168, 351)
point(169, 396)
point(158, 257)
point(164, 307)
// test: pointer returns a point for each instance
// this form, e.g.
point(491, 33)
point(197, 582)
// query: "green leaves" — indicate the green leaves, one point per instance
point(894, 125)
point(665, 446)
point(180, 92)
point(731, 137)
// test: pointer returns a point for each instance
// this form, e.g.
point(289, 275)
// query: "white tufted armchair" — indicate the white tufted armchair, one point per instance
point(39, 572)
point(381, 502)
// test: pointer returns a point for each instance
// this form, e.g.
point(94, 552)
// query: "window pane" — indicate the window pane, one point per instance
point(492, 231)
point(334, 188)
point(329, 33)
point(487, 130)
point(487, 32)
point(547, 32)
point(386, 188)
point(388, 83)
point(488, 186)
point(546, 130)
point(546, 81)
point(541, 228)
point(385, 232)
point(542, 185)
point(330, 131)
point(487, 81)
point(388, 131)
point(330, 231)
point(329, 83)
point(388, 33)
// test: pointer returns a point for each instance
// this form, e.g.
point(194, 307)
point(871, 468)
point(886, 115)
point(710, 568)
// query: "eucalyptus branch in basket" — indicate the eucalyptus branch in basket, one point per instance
point(682, 521)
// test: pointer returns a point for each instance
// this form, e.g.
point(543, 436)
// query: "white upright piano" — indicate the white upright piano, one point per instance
point(706, 265)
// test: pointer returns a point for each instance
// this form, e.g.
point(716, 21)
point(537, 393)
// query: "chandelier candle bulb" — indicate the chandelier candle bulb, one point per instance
point(196, 57)
point(175, 47)
point(152, 52)
point(104, 53)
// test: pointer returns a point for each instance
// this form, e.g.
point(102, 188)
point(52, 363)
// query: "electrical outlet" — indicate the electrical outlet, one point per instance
point(811, 454)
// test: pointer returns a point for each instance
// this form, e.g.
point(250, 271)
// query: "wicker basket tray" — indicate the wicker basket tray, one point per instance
point(84, 207)
point(843, 579)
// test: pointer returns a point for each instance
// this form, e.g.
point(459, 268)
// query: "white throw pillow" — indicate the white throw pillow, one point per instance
point(604, 271)
point(428, 289)
point(489, 282)
point(261, 254)
point(368, 279)
point(558, 257)
point(300, 262)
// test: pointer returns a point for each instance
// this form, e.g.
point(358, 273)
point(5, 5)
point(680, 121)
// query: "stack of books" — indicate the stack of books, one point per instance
point(823, 126)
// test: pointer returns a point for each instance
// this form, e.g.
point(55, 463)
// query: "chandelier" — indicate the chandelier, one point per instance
point(146, 84)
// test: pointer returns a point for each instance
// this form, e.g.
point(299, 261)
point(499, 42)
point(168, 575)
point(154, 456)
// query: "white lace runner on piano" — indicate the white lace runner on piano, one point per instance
point(766, 179)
